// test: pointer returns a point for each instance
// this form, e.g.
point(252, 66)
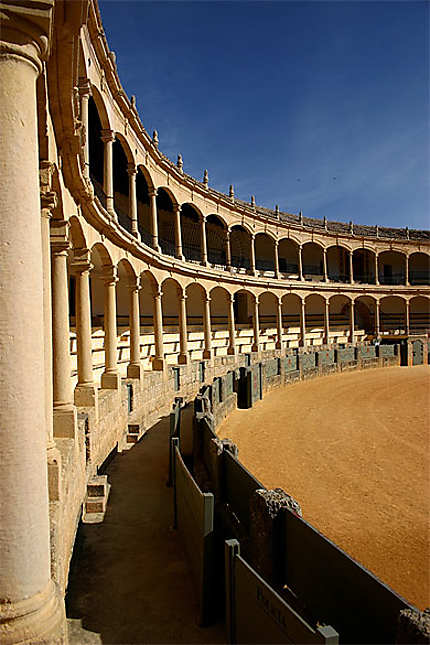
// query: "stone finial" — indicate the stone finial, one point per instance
point(301, 217)
point(231, 191)
point(351, 228)
point(253, 201)
point(206, 178)
point(180, 163)
point(377, 230)
point(133, 101)
point(407, 232)
point(325, 222)
point(155, 138)
point(112, 56)
point(277, 211)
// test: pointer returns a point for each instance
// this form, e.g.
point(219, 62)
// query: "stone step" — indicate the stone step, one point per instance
point(95, 504)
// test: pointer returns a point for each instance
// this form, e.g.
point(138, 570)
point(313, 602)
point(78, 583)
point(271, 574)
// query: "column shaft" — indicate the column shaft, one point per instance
point(133, 368)
point(303, 323)
point(85, 92)
point(252, 239)
point(377, 318)
point(108, 137)
point(227, 250)
point(132, 199)
point(276, 252)
point(62, 384)
point(203, 243)
point(376, 269)
point(279, 324)
point(351, 267)
point(300, 263)
point(256, 325)
point(158, 362)
point(325, 265)
point(207, 353)
point(154, 220)
point(407, 312)
point(178, 233)
point(183, 340)
point(110, 377)
point(407, 270)
point(83, 328)
point(352, 322)
point(231, 327)
point(327, 322)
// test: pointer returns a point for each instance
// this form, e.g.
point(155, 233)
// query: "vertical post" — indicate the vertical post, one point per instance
point(154, 219)
point(207, 352)
point(256, 324)
point(376, 269)
point(108, 137)
point(158, 361)
point(227, 250)
point(352, 322)
point(132, 199)
point(407, 312)
point(325, 265)
point(303, 324)
point(178, 231)
point(276, 252)
point(407, 270)
point(231, 551)
point(231, 349)
point(252, 255)
point(183, 340)
point(327, 321)
point(85, 93)
point(31, 608)
point(300, 263)
point(279, 324)
point(377, 317)
point(134, 367)
point(351, 267)
point(203, 244)
point(110, 377)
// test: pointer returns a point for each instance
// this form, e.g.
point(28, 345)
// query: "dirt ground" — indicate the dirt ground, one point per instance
point(353, 449)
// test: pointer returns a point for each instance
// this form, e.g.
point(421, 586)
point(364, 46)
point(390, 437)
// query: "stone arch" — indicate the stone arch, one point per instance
point(315, 312)
point(365, 314)
point(313, 261)
point(264, 252)
point(392, 267)
point(419, 268)
point(196, 295)
point(170, 302)
point(101, 261)
point(191, 228)
point(288, 253)
point(166, 220)
point(76, 233)
point(338, 263)
point(216, 239)
point(243, 306)
point(339, 312)
point(419, 315)
point(240, 244)
point(291, 307)
point(392, 316)
point(363, 262)
point(101, 107)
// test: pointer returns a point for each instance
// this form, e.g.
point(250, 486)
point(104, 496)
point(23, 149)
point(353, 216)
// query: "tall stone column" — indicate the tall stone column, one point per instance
point(407, 270)
point(377, 317)
point(30, 607)
point(183, 340)
point(203, 243)
point(376, 269)
point(407, 315)
point(303, 324)
point(351, 267)
point(154, 219)
point(276, 253)
point(252, 254)
point(132, 199)
point(207, 352)
point(325, 265)
point(351, 322)
point(86, 391)
point(158, 361)
point(231, 349)
point(110, 378)
point(178, 232)
point(85, 93)
point(227, 250)
point(256, 325)
point(327, 321)
point(108, 137)
point(279, 324)
point(65, 420)
point(134, 368)
point(300, 263)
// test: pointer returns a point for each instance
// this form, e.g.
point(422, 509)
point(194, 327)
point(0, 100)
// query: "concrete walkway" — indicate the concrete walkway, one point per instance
point(129, 580)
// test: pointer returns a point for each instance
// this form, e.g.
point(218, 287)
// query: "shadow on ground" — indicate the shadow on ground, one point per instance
point(129, 579)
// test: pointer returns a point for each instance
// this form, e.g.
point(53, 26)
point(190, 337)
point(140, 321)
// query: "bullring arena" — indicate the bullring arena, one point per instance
point(135, 291)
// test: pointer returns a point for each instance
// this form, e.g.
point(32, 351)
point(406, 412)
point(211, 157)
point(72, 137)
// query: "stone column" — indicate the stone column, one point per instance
point(303, 324)
point(325, 265)
point(376, 269)
point(300, 263)
point(158, 361)
point(203, 243)
point(85, 93)
point(227, 250)
point(279, 324)
point(351, 267)
point(178, 232)
point(30, 608)
point(256, 325)
point(327, 322)
point(377, 317)
point(207, 352)
point(183, 340)
point(351, 322)
point(231, 349)
point(132, 199)
point(86, 391)
point(276, 251)
point(252, 238)
point(65, 419)
point(110, 378)
point(108, 137)
point(154, 219)
point(407, 312)
point(407, 270)
point(134, 368)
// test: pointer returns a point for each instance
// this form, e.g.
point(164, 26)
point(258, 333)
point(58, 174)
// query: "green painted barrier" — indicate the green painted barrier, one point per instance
point(291, 363)
point(346, 355)
point(326, 357)
point(307, 361)
point(239, 485)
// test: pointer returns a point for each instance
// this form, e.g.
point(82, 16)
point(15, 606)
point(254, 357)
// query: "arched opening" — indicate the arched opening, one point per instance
point(96, 150)
point(146, 308)
point(215, 240)
point(313, 262)
point(264, 254)
point(392, 316)
point(314, 319)
point(364, 314)
point(219, 320)
point(195, 305)
point(267, 308)
point(240, 244)
point(419, 315)
point(244, 316)
point(291, 312)
point(391, 267)
point(126, 277)
point(288, 253)
point(166, 222)
point(121, 185)
point(101, 262)
point(419, 268)
point(170, 306)
point(339, 318)
point(363, 263)
point(191, 233)
point(338, 264)
point(143, 207)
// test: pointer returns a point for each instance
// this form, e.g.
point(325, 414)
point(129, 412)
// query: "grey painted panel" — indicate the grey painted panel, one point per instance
point(239, 485)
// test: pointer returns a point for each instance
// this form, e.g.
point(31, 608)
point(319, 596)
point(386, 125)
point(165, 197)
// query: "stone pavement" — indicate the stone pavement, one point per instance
point(129, 579)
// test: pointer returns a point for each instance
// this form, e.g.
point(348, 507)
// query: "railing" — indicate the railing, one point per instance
point(419, 277)
point(338, 277)
point(285, 267)
point(240, 262)
point(264, 265)
point(312, 269)
point(192, 252)
point(396, 278)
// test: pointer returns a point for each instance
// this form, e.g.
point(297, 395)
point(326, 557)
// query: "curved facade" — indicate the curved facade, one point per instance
point(116, 265)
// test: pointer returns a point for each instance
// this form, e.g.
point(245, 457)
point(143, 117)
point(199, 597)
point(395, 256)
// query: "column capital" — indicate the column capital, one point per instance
point(158, 293)
point(81, 261)
point(231, 298)
point(134, 283)
point(110, 275)
point(153, 193)
point(276, 242)
point(84, 86)
point(59, 235)
point(107, 136)
point(207, 298)
point(177, 208)
point(131, 168)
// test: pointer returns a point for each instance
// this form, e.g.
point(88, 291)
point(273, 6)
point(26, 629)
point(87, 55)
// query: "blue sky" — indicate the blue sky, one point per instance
point(319, 106)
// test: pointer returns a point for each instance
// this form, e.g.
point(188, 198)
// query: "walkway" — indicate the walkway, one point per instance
point(129, 579)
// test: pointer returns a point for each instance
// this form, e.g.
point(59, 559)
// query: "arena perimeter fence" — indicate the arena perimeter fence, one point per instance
point(280, 579)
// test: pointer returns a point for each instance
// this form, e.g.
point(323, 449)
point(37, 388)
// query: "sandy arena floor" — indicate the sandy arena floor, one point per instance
point(353, 449)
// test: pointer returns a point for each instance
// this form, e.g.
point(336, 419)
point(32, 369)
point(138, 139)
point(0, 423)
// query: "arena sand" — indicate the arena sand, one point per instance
point(353, 449)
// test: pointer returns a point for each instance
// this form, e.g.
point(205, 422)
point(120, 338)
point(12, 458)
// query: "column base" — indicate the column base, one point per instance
point(39, 620)
point(158, 364)
point(134, 371)
point(111, 381)
point(86, 396)
point(231, 351)
point(182, 359)
point(54, 473)
point(180, 256)
point(207, 354)
point(278, 345)
point(254, 348)
point(65, 423)
point(136, 234)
